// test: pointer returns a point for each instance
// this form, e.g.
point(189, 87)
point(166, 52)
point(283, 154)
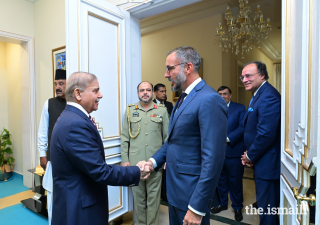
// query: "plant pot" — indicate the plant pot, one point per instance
point(5, 172)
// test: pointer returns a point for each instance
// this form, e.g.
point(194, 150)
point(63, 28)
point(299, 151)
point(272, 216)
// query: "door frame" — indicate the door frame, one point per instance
point(28, 97)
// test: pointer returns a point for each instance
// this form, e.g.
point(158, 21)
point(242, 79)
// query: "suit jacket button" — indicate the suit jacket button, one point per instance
point(169, 142)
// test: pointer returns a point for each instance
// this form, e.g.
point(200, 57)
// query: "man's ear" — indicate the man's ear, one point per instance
point(189, 68)
point(77, 94)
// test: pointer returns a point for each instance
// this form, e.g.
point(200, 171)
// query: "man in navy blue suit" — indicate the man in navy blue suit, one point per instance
point(194, 151)
point(80, 173)
point(262, 138)
point(232, 172)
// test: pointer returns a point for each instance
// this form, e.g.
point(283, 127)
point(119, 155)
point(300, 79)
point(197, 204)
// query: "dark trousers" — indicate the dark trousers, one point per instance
point(231, 181)
point(176, 216)
point(268, 196)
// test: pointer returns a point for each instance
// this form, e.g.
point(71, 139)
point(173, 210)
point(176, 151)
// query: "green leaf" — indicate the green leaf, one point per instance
point(10, 160)
point(9, 142)
point(4, 144)
point(8, 150)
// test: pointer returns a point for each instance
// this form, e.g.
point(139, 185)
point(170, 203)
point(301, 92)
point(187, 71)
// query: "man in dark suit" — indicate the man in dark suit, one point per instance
point(197, 136)
point(262, 138)
point(80, 173)
point(160, 92)
point(232, 172)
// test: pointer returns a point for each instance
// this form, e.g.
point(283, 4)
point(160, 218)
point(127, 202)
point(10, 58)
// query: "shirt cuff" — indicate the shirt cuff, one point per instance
point(154, 163)
point(247, 156)
point(195, 211)
point(228, 139)
point(42, 153)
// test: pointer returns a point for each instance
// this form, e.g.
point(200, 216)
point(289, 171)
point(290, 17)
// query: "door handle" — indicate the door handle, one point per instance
point(311, 199)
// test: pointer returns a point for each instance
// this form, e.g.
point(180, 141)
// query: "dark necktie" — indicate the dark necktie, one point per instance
point(92, 120)
point(182, 97)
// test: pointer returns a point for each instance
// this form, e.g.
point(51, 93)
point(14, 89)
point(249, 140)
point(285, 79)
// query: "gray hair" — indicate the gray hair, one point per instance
point(78, 80)
point(262, 68)
point(187, 54)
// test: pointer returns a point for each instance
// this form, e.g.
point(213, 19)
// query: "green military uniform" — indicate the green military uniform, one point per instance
point(146, 133)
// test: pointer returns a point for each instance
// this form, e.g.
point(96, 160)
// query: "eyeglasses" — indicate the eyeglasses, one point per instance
point(247, 76)
point(169, 68)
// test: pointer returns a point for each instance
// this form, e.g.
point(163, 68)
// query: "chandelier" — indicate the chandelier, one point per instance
point(243, 32)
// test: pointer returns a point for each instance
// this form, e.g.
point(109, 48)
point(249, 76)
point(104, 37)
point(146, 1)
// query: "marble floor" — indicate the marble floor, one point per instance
point(224, 217)
point(14, 191)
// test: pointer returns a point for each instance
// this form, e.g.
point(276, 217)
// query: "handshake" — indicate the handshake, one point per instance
point(146, 168)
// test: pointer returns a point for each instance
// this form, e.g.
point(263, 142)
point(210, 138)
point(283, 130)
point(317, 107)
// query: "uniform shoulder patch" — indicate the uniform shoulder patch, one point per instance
point(131, 105)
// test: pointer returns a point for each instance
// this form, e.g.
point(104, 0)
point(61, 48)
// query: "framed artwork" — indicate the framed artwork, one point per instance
point(58, 61)
point(176, 95)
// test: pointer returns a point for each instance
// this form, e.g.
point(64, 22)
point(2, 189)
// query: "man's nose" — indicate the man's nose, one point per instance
point(167, 75)
point(100, 96)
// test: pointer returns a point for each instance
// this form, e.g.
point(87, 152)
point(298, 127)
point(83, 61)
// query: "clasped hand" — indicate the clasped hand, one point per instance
point(245, 160)
point(146, 168)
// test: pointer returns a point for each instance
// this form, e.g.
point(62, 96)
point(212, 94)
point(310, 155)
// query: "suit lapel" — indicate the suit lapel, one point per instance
point(189, 98)
point(80, 113)
point(255, 98)
point(230, 108)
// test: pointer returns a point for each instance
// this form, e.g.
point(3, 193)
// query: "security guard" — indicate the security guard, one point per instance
point(144, 130)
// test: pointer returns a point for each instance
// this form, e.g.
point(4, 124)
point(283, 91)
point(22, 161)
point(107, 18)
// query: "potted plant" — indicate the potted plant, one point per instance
point(5, 151)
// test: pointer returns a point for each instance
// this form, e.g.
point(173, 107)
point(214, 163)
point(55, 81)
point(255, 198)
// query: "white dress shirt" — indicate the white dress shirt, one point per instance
point(187, 91)
point(43, 131)
point(79, 107)
point(159, 101)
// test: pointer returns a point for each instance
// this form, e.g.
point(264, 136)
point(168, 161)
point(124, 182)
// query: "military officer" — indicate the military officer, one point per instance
point(144, 130)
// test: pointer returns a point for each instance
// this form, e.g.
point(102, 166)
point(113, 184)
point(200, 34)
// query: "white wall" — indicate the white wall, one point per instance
point(16, 16)
point(3, 88)
point(49, 31)
point(11, 100)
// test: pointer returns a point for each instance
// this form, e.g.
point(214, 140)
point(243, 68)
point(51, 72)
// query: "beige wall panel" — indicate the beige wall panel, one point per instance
point(3, 88)
point(16, 16)
point(49, 17)
point(13, 67)
point(198, 34)
point(220, 68)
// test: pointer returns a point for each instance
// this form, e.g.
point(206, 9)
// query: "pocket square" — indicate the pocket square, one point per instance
point(250, 109)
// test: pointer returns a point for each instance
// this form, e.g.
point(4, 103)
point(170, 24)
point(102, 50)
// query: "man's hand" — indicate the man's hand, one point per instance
point(125, 164)
point(43, 162)
point(192, 218)
point(245, 160)
point(146, 168)
point(165, 166)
